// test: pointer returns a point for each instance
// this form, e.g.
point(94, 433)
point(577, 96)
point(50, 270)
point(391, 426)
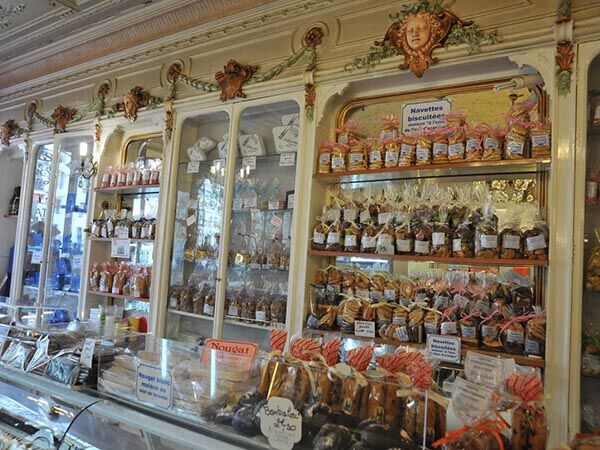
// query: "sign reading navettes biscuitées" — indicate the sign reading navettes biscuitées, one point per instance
point(430, 115)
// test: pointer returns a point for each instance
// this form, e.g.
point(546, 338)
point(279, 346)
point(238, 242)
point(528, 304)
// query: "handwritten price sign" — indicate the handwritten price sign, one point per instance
point(281, 423)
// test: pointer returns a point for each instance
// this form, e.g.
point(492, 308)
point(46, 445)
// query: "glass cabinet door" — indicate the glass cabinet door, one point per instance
point(261, 220)
point(66, 239)
point(37, 216)
point(590, 319)
point(197, 226)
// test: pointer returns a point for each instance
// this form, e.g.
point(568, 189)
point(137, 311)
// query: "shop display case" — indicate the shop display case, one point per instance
point(585, 337)
point(57, 218)
point(230, 266)
point(122, 233)
point(445, 219)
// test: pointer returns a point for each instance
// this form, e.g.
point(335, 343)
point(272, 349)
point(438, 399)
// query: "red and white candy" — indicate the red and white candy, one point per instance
point(360, 358)
point(304, 348)
point(277, 339)
point(527, 387)
point(331, 352)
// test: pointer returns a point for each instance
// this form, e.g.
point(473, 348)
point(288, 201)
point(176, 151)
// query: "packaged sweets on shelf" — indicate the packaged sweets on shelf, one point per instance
point(439, 151)
point(540, 133)
point(324, 161)
point(491, 140)
point(456, 136)
point(357, 156)
point(535, 235)
point(408, 151)
point(473, 144)
point(423, 150)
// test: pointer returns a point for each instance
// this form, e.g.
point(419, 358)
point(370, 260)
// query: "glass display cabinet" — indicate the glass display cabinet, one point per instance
point(585, 337)
point(57, 218)
point(123, 231)
point(254, 259)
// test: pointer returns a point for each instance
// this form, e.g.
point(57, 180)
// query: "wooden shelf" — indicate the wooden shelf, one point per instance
point(100, 239)
point(529, 165)
point(435, 259)
point(128, 189)
point(189, 314)
point(519, 359)
point(117, 296)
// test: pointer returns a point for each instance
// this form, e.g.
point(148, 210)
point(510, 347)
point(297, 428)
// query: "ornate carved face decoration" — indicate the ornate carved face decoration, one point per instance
point(130, 106)
point(418, 35)
point(232, 79)
point(61, 116)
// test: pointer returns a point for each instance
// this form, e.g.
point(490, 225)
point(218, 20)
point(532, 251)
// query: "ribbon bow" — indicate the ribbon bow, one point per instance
point(494, 427)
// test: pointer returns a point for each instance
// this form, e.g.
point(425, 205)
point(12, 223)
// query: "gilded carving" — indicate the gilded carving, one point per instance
point(310, 95)
point(32, 109)
point(134, 100)
point(418, 35)
point(61, 117)
point(103, 90)
point(232, 79)
point(169, 124)
point(9, 129)
point(97, 132)
point(563, 13)
point(313, 37)
point(564, 61)
point(174, 72)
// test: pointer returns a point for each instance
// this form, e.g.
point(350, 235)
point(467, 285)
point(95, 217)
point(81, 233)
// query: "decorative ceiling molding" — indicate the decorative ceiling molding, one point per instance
point(9, 11)
point(218, 31)
point(175, 20)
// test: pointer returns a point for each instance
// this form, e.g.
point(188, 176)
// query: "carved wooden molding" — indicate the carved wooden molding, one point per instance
point(8, 130)
point(232, 79)
point(418, 35)
point(61, 117)
point(564, 60)
point(133, 100)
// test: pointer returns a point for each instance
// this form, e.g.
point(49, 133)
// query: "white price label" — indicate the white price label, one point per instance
point(287, 159)
point(36, 256)
point(193, 167)
point(277, 221)
point(191, 220)
point(249, 162)
point(364, 328)
point(483, 369)
point(444, 348)
point(87, 353)
point(281, 423)
point(122, 232)
point(120, 248)
point(153, 385)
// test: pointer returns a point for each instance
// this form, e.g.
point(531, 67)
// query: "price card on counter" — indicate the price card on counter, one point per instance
point(470, 399)
point(153, 385)
point(249, 162)
point(36, 256)
point(364, 328)
point(193, 167)
point(444, 348)
point(281, 423)
point(487, 370)
point(287, 159)
point(120, 248)
point(229, 355)
point(87, 353)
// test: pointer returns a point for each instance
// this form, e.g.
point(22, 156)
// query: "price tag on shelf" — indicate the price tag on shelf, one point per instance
point(364, 328)
point(120, 248)
point(281, 423)
point(472, 399)
point(122, 232)
point(287, 159)
point(193, 167)
point(87, 353)
point(249, 162)
point(444, 348)
point(276, 221)
point(191, 220)
point(36, 256)
point(153, 385)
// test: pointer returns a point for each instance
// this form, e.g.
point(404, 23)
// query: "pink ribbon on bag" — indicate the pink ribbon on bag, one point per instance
point(523, 318)
point(351, 126)
point(390, 121)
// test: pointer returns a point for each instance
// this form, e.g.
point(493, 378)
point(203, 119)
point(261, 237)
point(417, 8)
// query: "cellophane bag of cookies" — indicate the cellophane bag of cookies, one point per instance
point(441, 234)
point(404, 235)
point(456, 136)
point(535, 234)
point(423, 149)
point(422, 230)
point(486, 234)
point(391, 149)
point(408, 151)
point(357, 156)
point(352, 129)
point(339, 153)
point(375, 153)
point(389, 127)
point(516, 143)
point(324, 159)
point(334, 240)
point(491, 141)
point(540, 134)
point(473, 146)
point(511, 238)
point(439, 147)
